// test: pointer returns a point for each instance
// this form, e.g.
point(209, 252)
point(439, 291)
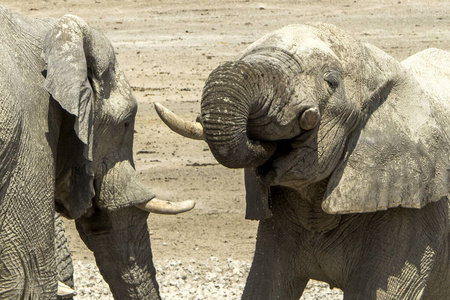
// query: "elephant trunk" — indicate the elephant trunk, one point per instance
point(121, 245)
point(117, 233)
point(230, 96)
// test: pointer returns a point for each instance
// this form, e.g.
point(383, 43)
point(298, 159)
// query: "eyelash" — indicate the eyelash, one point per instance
point(332, 79)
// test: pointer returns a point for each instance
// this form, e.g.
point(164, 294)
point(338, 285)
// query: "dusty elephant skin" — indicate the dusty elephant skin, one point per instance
point(66, 125)
point(346, 157)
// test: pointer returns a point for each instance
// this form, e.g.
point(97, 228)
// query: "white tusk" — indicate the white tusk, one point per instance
point(192, 130)
point(65, 290)
point(166, 207)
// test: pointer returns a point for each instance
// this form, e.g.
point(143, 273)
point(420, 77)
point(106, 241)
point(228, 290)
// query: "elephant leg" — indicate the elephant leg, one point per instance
point(271, 275)
point(25, 271)
point(64, 265)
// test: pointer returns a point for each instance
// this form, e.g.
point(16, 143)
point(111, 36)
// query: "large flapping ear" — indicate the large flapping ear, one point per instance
point(67, 81)
point(398, 157)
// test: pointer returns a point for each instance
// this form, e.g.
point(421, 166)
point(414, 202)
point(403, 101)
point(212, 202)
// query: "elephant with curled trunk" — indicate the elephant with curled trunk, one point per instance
point(67, 118)
point(346, 154)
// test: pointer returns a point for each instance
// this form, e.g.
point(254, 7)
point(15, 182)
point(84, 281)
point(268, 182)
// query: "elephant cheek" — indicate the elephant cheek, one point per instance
point(119, 188)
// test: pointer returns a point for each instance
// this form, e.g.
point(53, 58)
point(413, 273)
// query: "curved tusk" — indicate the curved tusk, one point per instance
point(166, 207)
point(310, 118)
point(65, 290)
point(192, 130)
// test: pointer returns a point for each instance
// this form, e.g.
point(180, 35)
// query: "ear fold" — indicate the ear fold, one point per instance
point(67, 82)
point(399, 157)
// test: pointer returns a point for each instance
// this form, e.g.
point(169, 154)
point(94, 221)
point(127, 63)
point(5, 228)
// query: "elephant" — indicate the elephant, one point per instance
point(346, 161)
point(67, 115)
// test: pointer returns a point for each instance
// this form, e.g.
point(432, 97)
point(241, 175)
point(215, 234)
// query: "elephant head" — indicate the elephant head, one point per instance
point(308, 104)
point(96, 180)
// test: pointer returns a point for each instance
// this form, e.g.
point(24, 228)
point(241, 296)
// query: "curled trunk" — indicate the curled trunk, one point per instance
point(229, 98)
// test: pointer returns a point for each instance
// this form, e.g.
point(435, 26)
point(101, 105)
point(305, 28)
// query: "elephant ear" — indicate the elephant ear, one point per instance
point(67, 81)
point(399, 157)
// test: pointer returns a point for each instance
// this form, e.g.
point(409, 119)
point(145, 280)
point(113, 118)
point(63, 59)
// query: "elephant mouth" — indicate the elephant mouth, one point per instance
point(268, 171)
point(274, 171)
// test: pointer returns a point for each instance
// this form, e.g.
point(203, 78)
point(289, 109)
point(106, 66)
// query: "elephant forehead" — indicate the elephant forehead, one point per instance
point(300, 40)
point(121, 100)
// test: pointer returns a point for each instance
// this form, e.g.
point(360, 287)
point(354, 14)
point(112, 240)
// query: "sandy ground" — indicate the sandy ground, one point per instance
point(168, 48)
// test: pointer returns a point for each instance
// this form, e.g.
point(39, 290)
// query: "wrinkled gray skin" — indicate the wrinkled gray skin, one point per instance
point(66, 132)
point(360, 200)
point(64, 264)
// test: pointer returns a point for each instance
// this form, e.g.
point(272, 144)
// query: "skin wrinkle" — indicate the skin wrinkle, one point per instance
point(306, 214)
point(9, 159)
point(292, 171)
point(274, 109)
point(336, 135)
point(278, 64)
point(262, 81)
point(229, 106)
point(224, 136)
point(31, 237)
point(30, 37)
point(236, 133)
point(233, 104)
point(115, 113)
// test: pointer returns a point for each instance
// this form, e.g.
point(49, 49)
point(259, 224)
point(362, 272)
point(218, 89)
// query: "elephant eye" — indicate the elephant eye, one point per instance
point(128, 122)
point(332, 79)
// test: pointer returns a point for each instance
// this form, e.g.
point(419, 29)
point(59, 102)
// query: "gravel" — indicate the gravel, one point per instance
point(194, 280)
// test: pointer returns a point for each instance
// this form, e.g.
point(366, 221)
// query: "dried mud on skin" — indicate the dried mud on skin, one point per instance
point(167, 51)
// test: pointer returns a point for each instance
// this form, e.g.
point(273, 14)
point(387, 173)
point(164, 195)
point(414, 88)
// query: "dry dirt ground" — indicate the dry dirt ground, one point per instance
point(168, 48)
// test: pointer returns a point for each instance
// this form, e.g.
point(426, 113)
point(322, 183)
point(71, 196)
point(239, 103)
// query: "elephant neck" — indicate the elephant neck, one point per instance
point(301, 208)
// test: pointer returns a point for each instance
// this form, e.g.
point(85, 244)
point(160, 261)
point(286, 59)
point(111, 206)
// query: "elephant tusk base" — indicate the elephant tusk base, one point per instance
point(65, 290)
point(166, 207)
point(310, 118)
point(192, 130)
